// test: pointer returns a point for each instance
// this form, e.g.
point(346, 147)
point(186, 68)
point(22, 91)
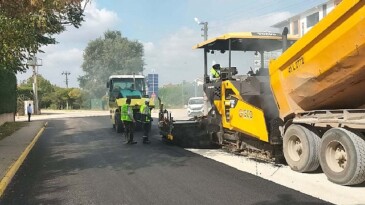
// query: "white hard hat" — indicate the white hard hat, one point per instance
point(147, 100)
point(213, 62)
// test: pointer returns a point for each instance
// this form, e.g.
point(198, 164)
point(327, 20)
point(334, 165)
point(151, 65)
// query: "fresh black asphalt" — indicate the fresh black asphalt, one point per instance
point(84, 161)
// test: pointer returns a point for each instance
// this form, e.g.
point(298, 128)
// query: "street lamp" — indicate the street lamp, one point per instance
point(204, 28)
point(205, 35)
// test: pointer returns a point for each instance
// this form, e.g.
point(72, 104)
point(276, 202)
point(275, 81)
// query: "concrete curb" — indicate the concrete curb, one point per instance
point(16, 165)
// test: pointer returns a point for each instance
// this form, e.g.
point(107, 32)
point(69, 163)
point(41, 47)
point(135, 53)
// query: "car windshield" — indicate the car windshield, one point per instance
point(128, 87)
point(196, 101)
point(129, 83)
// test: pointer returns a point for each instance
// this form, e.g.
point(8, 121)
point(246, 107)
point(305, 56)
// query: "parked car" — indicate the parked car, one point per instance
point(195, 106)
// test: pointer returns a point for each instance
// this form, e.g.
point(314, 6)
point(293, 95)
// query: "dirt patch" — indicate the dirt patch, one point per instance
point(9, 128)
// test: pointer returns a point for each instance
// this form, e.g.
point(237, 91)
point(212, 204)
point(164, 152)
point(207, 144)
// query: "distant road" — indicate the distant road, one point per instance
point(81, 160)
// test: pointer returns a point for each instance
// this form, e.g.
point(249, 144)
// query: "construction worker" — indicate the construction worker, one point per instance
point(146, 120)
point(214, 71)
point(128, 121)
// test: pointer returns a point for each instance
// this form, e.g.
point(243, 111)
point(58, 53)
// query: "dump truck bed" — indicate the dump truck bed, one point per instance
point(325, 69)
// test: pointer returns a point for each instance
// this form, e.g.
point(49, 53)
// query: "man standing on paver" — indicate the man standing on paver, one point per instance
point(29, 110)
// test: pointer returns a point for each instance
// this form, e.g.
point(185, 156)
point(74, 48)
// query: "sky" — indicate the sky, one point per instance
point(168, 32)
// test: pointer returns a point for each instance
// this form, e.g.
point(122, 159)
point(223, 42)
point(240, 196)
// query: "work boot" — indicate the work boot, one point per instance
point(132, 141)
point(145, 140)
point(127, 140)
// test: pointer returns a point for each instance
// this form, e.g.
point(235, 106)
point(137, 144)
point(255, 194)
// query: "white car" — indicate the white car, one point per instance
point(195, 106)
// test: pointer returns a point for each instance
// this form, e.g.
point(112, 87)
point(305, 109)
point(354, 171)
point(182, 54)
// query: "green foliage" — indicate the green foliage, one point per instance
point(75, 98)
point(51, 96)
point(26, 25)
point(176, 96)
point(25, 92)
point(60, 97)
point(45, 90)
point(7, 92)
point(107, 56)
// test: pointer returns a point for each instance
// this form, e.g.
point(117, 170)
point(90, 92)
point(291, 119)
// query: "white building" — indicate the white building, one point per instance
point(303, 22)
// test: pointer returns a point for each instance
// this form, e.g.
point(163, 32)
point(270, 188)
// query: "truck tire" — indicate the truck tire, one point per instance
point(342, 156)
point(301, 147)
point(118, 123)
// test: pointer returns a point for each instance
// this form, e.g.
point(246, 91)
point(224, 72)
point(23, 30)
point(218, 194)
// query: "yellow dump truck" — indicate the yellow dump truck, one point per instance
point(318, 85)
point(309, 106)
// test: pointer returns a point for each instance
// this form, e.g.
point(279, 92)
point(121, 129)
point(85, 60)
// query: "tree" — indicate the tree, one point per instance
point(174, 96)
point(45, 90)
point(76, 98)
point(106, 56)
point(26, 25)
point(51, 96)
point(7, 92)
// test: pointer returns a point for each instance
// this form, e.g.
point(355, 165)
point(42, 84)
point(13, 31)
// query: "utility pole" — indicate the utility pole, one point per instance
point(33, 61)
point(153, 82)
point(182, 93)
point(205, 30)
point(66, 74)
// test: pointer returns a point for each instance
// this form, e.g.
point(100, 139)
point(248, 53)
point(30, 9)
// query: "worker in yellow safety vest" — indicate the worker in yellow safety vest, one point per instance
point(146, 120)
point(214, 71)
point(128, 121)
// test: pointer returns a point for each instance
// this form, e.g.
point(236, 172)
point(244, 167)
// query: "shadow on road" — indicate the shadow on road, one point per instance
point(287, 199)
point(78, 157)
point(70, 147)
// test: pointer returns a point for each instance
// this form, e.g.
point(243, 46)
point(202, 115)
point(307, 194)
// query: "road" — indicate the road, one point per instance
point(83, 161)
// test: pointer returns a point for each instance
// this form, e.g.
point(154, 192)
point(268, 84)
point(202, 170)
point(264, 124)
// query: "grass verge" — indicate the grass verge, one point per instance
point(9, 128)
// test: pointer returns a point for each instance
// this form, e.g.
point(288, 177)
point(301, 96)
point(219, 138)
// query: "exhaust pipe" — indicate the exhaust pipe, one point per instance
point(285, 38)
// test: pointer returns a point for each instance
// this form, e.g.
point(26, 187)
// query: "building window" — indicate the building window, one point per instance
point(324, 8)
point(312, 19)
point(295, 27)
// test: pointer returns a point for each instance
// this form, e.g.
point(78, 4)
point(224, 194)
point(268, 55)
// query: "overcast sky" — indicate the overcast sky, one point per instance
point(167, 30)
